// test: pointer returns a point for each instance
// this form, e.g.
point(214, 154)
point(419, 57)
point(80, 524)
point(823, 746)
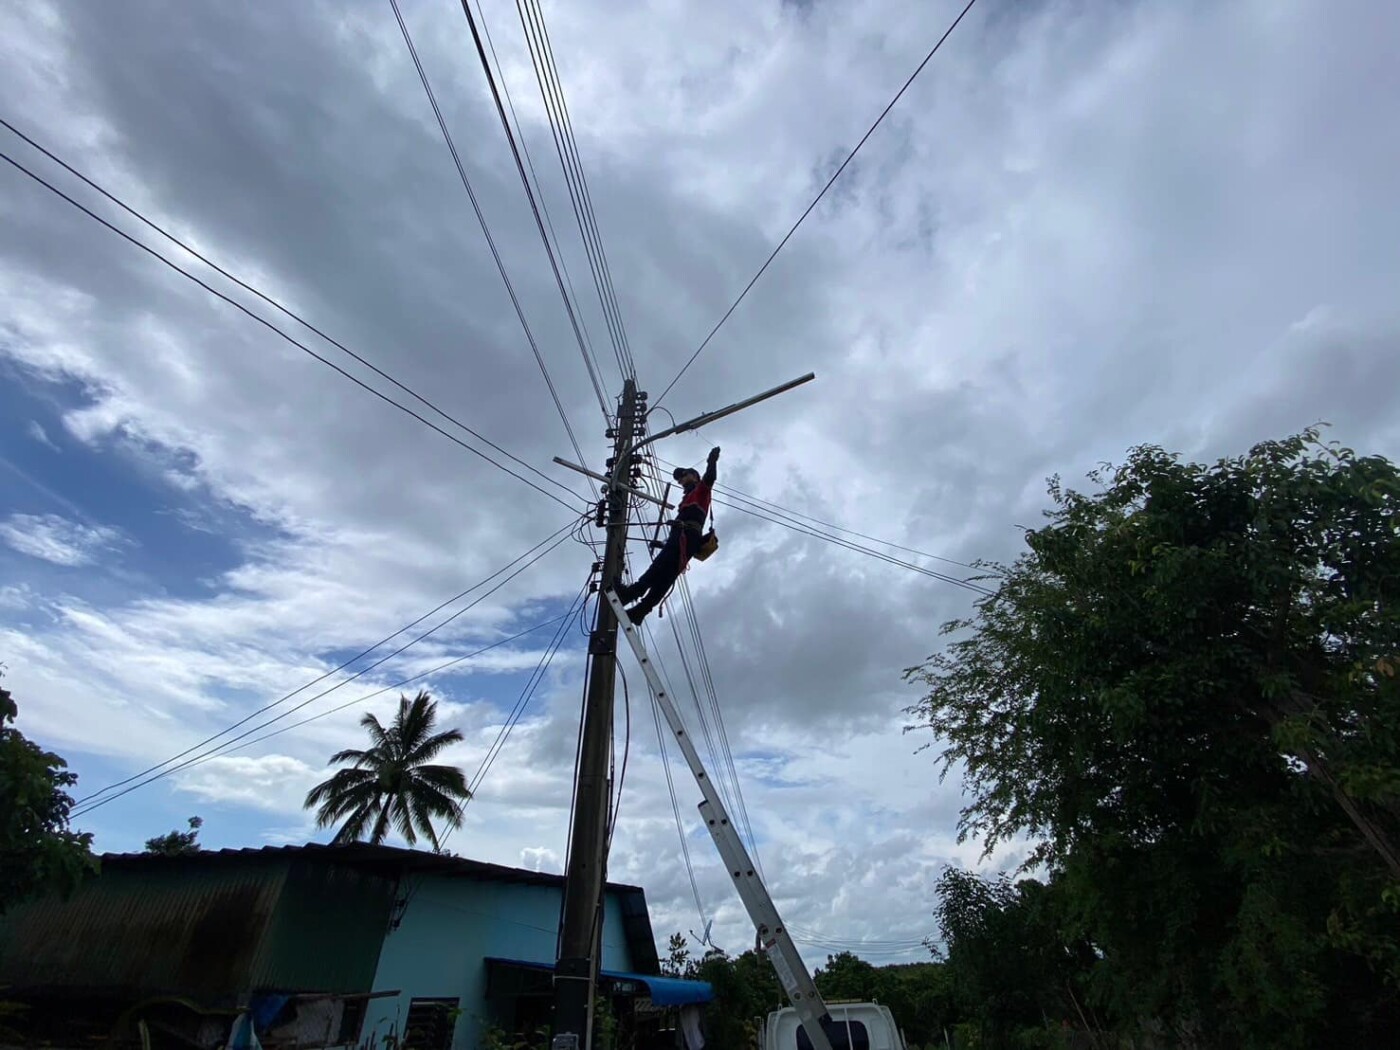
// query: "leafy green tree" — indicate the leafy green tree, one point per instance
point(921, 996)
point(392, 783)
point(38, 851)
point(1011, 968)
point(1185, 695)
point(847, 976)
point(746, 990)
point(677, 962)
point(177, 843)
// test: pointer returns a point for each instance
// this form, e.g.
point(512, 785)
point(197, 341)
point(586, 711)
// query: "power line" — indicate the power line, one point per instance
point(486, 231)
point(814, 936)
point(815, 201)
point(848, 545)
point(162, 773)
point(580, 198)
point(528, 691)
point(676, 809)
point(273, 302)
point(722, 732)
point(837, 948)
point(788, 512)
point(717, 768)
point(588, 362)
point(526, 695)
point(541, 50)
point(539, 186)
point(626, 752)
point(396, 685)
point(272, 327)
point(321, 678)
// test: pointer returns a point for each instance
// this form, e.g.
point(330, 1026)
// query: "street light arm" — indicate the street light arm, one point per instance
point(709, 417)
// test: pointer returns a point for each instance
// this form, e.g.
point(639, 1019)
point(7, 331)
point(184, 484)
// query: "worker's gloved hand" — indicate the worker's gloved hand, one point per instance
point(714, 454)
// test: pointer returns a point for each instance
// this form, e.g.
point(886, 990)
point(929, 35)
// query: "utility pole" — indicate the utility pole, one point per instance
point(576, 968)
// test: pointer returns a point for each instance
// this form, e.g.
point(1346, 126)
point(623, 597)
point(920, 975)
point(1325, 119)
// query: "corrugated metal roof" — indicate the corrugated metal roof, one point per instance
point(200, 926)
point(392, 856)
point(212, 923)
point(181, 928)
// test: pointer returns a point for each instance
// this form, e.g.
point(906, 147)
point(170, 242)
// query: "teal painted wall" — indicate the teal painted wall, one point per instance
point(450, 927)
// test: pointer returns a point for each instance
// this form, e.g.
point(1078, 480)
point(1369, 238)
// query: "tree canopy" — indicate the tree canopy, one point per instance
point(1183, 695)
point(178, 843)
point(39, 853)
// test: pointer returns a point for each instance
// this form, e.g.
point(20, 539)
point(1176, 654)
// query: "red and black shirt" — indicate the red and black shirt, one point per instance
point(695, 507)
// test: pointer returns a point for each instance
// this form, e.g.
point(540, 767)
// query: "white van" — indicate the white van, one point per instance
point(854, 1026)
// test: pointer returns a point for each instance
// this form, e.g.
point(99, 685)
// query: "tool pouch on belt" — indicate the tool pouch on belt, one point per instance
point(709, 543)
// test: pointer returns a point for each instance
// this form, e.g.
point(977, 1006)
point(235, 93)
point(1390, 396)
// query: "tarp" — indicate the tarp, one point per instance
point(664, 991)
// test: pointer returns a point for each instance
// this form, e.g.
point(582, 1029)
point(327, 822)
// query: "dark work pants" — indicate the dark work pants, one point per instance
point(654, 584)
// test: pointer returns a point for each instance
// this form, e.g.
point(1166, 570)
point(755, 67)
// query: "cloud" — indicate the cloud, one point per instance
point(36, 430)
point(55, 539)
point(1081, 229)
point(276, 783)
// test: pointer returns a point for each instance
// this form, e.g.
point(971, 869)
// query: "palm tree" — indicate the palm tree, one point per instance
point(391, 782)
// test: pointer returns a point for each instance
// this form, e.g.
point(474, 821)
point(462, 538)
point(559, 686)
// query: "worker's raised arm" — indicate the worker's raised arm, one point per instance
point(710, 464)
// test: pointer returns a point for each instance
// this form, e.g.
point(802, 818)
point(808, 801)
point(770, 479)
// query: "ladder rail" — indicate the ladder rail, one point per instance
point(774, 939)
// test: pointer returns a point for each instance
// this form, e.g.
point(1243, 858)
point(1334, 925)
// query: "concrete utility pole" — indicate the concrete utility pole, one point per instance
point(576, 969)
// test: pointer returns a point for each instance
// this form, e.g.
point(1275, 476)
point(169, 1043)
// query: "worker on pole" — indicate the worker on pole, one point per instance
point(687, 531)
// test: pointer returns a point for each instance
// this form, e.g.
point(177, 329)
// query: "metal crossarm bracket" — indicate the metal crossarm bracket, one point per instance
point(773, 936)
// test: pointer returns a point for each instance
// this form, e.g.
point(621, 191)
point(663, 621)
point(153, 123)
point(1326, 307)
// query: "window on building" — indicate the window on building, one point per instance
point(430, 1023)
point(845, 1035)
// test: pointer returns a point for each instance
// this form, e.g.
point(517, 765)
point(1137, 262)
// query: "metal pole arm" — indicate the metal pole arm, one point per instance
point(719, 413)
point(607, 481)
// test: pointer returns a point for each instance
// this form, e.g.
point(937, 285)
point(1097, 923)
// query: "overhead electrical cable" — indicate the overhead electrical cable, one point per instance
point(161, 774)
point(322, 677)
point(566, 146)
point(717, 768)
point(583, 349)
point(676, 809)
point(544, 205)
point(184, 246)
point(813, 937)
point(269, 325)
point(859, 549)
point(745, 497)
point(626, 752)
point(438, 669)
point(503, 735)
point(688, 607)
point(815, 201)
point(526, 695)
point(486, 232)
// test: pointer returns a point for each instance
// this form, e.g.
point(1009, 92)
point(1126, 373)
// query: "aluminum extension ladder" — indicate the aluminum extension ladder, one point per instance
point(773, 937)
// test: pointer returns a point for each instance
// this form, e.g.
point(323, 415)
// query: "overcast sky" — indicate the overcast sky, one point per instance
point(1086, 226)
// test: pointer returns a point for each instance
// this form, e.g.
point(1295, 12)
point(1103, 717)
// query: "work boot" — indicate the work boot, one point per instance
point(625, 592)
point(638, 612)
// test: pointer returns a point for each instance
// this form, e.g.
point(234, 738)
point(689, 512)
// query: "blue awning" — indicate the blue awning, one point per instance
point(663, 991)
